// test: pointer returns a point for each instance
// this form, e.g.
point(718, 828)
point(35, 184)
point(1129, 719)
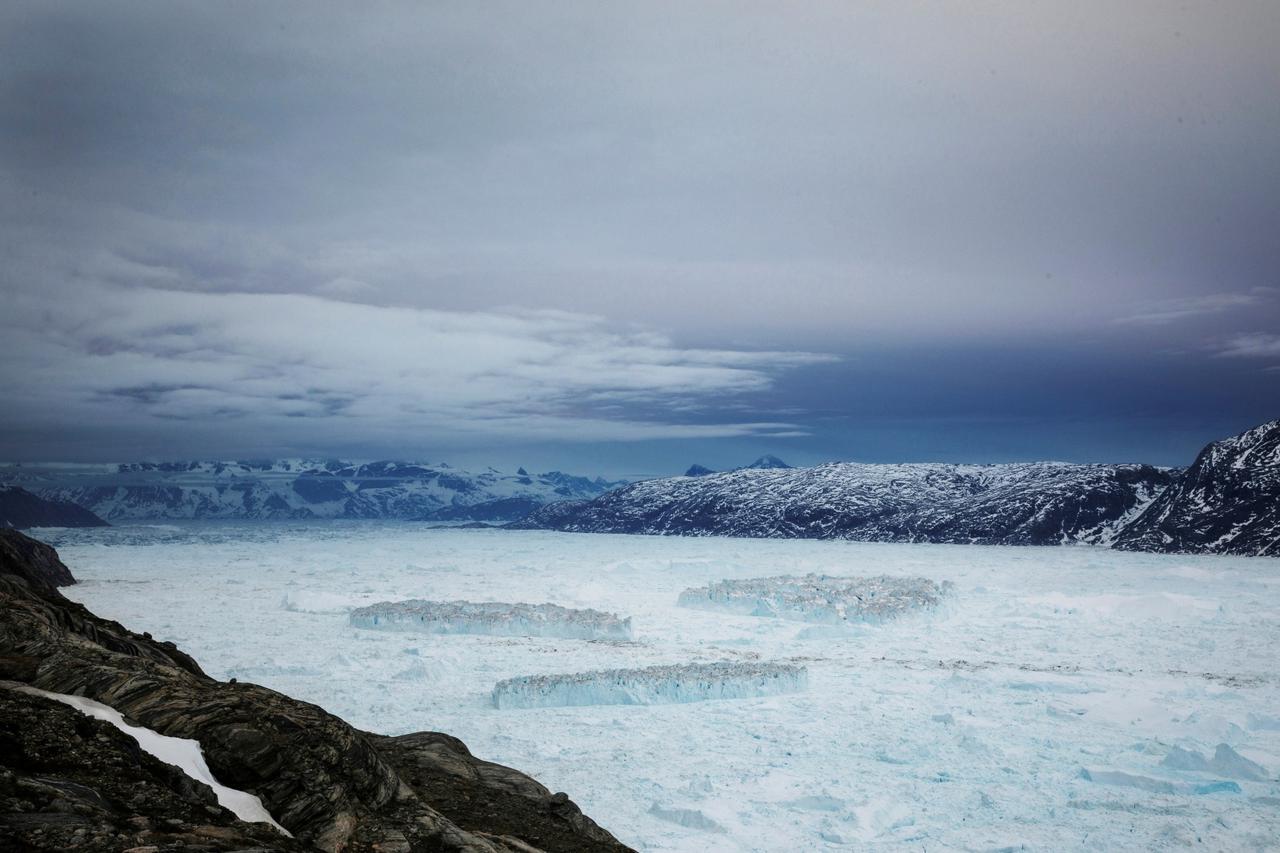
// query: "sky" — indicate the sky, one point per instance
point(621, 238)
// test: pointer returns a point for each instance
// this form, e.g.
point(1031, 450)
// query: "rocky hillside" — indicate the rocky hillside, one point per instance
point(299, 488)
point(1228, 502)
point(19, 508)
point(67, 781)
point(1017, 504)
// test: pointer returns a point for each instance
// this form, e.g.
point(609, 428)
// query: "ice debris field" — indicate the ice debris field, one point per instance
point(1069, 698)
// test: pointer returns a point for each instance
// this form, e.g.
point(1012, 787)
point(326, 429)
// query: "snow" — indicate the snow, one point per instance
point(965, 727)
point(492, 617)
point(818, 598)
point(183, 753)
point(652, 685)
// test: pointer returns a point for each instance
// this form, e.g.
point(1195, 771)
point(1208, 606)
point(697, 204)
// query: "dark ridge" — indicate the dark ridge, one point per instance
point(21, 509)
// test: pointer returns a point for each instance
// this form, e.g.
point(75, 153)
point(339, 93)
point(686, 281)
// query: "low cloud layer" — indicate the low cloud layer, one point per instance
point(322, 370)
point(839, 228)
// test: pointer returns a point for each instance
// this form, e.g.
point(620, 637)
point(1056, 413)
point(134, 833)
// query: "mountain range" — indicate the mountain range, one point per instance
point(298, 489)
point(1227, 502)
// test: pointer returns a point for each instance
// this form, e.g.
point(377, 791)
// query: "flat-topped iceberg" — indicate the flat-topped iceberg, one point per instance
point(824, 599)
point(492, 617)
point(652, 685)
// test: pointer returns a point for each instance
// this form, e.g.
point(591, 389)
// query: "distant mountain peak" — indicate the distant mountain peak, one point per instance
point(696, 470)
point(767, 462)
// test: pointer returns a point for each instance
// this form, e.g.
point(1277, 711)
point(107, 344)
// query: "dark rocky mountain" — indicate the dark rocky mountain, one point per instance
point(1016, 504)
point(1227, 502)
point(766, 463)
point(298, 488)
point(69, 782)
point(697, 470)
point(20, 508)
point(502, 509)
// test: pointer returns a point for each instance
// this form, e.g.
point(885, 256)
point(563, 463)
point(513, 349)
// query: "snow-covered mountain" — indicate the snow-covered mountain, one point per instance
point(1228, 502)
point(1044, 503)
point(299, 488)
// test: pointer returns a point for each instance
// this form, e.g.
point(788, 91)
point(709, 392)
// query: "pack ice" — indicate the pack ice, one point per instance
point(823, 599)
point(653, 685)
point(492, 617)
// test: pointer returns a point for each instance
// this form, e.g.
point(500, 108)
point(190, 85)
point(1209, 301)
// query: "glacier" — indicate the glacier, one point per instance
point(962, 728)
point(653, 685)
point(492, 617)
point(823, 599)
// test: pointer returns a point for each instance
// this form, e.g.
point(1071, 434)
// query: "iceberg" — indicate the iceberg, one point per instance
point(492, 617)
point(823, 599)
point(653, 685)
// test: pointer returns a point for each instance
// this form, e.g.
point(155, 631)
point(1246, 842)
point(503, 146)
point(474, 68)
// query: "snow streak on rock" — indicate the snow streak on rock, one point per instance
point(492, 617)
point(653, 685)
point(822, 599)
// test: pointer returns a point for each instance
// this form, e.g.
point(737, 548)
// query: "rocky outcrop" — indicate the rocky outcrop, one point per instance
point(70, 782)
point(1227, 502)
point(33, 561)
point(21, 509)
point(1045, 503)
point(333, 787)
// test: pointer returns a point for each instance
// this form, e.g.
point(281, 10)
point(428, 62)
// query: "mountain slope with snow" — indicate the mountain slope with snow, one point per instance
point(1045, 503)
point(1228, 502)
point(298, 488)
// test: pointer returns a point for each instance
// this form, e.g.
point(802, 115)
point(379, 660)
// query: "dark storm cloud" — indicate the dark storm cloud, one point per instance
point(600, 221)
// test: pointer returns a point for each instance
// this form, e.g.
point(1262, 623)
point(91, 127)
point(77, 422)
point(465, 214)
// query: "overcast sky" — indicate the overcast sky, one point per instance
point(623, 237)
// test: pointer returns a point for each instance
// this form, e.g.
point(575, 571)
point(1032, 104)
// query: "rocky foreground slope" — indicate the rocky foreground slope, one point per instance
point(299, 488)
point(1227, 502)
point(1017, 504)
point(70, 782)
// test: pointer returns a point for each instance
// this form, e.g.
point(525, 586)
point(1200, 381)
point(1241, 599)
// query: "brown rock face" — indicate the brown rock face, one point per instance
point(333, 787)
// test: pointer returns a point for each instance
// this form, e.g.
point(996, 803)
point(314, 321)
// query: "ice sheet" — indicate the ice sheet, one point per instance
point(963, 729)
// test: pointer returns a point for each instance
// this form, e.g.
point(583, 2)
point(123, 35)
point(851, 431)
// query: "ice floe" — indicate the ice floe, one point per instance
point(492, 617)
point(652, 685)
point(824, 599)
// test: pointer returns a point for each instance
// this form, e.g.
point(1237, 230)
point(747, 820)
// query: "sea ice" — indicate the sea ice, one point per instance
point(1002, 663)
point(492, 617)
point(652, 685)
point(824, 599)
